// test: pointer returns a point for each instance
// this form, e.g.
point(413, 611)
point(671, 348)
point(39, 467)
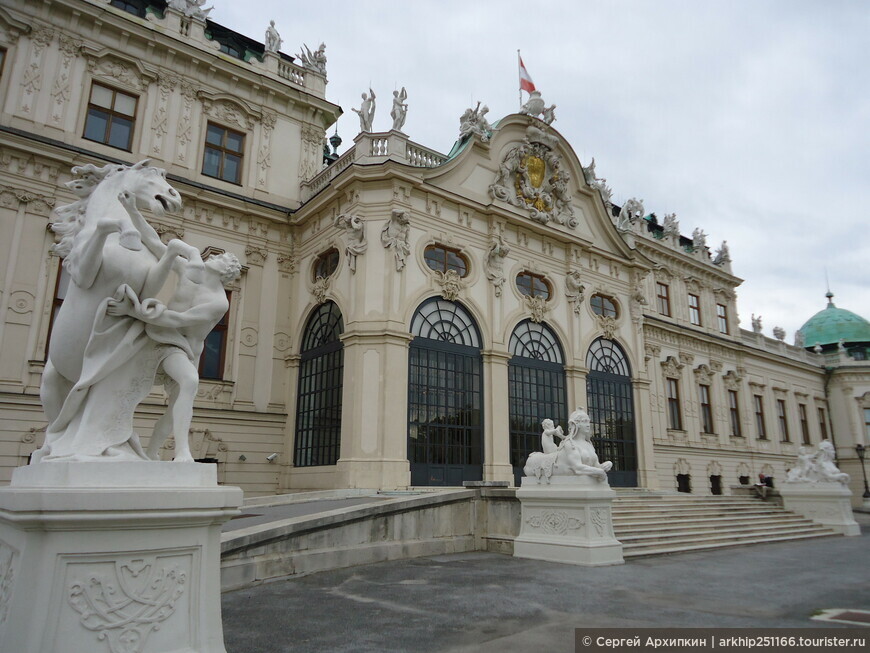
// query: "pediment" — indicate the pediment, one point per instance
point(118, 68)
point(229, 110)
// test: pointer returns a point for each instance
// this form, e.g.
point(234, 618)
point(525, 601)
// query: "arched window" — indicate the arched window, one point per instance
point(443, 259)
point(611, 407)
point(445, 393)
point(318, 405)
point(325, 264)
point(603, 305)
point(536, 389)
point(533, 285)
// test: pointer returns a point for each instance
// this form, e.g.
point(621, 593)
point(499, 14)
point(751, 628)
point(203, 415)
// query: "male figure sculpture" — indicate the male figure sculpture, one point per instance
point(366, 112)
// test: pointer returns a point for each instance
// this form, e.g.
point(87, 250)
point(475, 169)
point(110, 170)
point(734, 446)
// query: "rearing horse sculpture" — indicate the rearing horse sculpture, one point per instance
point(102, 249)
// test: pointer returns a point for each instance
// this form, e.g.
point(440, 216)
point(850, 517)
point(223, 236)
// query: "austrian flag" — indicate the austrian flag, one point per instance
point(526, 83)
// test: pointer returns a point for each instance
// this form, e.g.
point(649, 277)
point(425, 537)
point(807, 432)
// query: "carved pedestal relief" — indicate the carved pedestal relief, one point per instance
point(531, 176)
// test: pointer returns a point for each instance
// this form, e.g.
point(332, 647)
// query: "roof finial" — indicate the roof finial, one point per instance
point(828, 294)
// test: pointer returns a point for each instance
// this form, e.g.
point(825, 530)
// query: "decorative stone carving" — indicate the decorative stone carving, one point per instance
point(607, 325)
point(450, 283)
point(535, 106)
point(651, 351)
point(125, 604)
point(8, 562)
point(287, 263)
point(554, 521)
point(779, 333)
point(671, 227)
point(355, 237)
point(537, 306)
point(632, 211)
point(264, 152)
point(686, 358)
point(316, 61)
point(228, 111)
point(183, 133)
point(473, 121)
point(703, 374)
point(575, 290)
point(699, 240)
point(311, 154)
point(273, 39)
point(191, 8)
point(320, 288)
point(395, 237)
point(756, 324)
point(574, 455)
point(366, 112)
point(256, 255)
point(672, 368)
point(60, 90)
point(494, 266)
point(531, 176)
point(799, 338)
point(732, 380)
point(159, 123)
point(817, 467)
point(400, 109)
point(723, 256)
point(599, 184)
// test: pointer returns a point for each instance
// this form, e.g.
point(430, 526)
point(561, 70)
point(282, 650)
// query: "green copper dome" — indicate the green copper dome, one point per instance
point(830, 325)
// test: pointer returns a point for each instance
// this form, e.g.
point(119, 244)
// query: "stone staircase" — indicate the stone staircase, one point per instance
point(650, 523)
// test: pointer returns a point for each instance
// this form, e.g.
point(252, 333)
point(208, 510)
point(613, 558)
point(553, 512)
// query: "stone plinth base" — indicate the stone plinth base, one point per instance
point(568, 520)
point(829, 504)
point(112, 556)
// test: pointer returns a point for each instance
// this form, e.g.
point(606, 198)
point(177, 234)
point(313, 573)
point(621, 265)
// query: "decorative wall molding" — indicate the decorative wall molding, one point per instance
point(450, 282)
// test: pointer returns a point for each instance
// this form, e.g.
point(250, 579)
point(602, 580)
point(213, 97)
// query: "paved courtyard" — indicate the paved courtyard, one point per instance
point(483, 602)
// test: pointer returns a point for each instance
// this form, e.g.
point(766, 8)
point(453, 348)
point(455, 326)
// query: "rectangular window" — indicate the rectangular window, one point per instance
point(706, 409)
point(783, 421)
point(722, 316)
point(805, 426)
point(694, 309)
point(759, 417)
point(867, 422)
point(675, 419)
point(61, 286)
point(734, 410)
point(223, 154)
point(2, 60)
point(211, 361)
point(111, 117)
point(823, 424)
point(663, 298)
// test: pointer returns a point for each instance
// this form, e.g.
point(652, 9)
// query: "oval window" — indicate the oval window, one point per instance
point(443, 259)
point(533, 285)
point(325, 264)
point(602, 305)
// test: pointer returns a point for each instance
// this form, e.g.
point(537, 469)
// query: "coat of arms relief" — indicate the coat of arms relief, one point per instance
point(531, 176)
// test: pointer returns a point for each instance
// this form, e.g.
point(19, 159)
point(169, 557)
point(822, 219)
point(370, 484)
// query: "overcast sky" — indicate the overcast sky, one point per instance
point(747, 118)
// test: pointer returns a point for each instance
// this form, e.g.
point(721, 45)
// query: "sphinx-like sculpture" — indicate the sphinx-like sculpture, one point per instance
point(817, 467)
point(111, 337)
point(573, 455)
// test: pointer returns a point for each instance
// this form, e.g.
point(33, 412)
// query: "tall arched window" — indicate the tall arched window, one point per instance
point(536, 389)
point(445, 394)
point(611, 408)
point(318, 405)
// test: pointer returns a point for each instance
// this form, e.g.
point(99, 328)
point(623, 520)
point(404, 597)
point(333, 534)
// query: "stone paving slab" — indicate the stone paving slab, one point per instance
point(266, 514)
point(484, 603)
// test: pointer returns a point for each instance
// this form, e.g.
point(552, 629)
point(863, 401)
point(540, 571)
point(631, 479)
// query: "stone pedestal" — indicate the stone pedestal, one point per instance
point(111, 557)
point(568, 520)
point(829, 504)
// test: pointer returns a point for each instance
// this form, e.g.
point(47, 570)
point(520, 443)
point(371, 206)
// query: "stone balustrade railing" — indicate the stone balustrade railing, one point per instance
point(371, 148)
point(774, 346)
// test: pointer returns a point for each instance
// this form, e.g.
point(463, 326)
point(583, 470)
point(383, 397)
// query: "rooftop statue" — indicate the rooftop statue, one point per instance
point(699, 240)
point(722, 254)
point(670, 225)
point(631, 212)
point(273, 39)
point(536, 107)
point(366, 112)
point(400, 109)
point(316, 60)
point(191, 8)
point(574, 455)
point(756, 324)
point(107, 344)
point(598, 183)
point(817, 467)
point(779, 333)
point(473, 121)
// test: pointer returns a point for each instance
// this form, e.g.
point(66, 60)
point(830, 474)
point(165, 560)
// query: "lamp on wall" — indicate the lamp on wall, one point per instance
point(859, 449)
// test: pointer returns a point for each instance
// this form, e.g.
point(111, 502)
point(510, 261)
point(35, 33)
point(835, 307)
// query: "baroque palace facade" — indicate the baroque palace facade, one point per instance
point(404, 317)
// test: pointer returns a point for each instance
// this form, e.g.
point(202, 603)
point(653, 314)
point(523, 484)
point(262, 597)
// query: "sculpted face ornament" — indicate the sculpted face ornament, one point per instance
point(531, 176)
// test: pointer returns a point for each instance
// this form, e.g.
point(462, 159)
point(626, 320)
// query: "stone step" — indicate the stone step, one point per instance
point(712, 525)
point(689, 514)
point(629, 552)
point(641, 542)
point(633, 503)
point(676, 534)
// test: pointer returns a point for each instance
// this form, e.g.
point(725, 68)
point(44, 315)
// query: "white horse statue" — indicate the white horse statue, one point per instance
point(86, 393)
point(574, 455)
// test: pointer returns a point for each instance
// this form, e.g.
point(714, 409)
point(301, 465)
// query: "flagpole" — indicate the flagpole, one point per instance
point(519, 73)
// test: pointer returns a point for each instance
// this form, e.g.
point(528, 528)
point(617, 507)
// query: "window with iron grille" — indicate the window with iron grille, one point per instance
point(443, 259)
point(536, 389)
point(663, 298)
point(111, 117)
point(675, 417)
point(321, 377)
point(223, 153)
point(734, 412)
point(706, 409)
point(783, 420)
point(759, 417)
point(533, 285)
point(805, 426)
point(695, 309)
point(722, 317)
